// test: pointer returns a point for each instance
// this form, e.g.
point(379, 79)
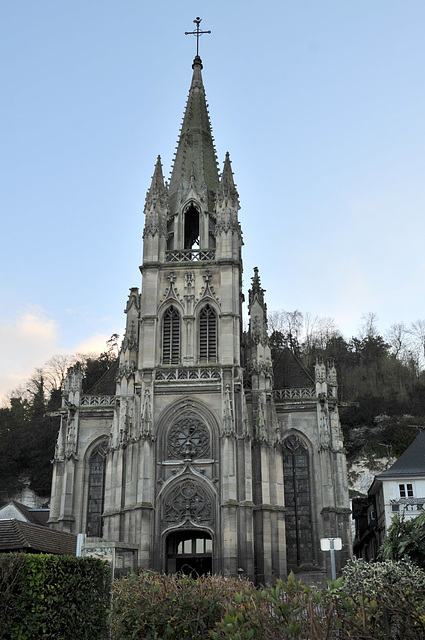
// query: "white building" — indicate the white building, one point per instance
point(400, 489)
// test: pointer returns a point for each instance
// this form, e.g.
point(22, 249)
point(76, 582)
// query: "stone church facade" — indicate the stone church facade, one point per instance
point(187, 451)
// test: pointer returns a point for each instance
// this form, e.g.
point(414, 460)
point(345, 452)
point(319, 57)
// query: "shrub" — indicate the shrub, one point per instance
point(287, 611)
point(174, 606)
point(366, 603)
point(405, 540)
point(390, 595)
point(57, 597)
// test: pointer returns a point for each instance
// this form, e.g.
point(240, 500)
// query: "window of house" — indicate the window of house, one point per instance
point(96, 490)
point(405, 490)
point(208, 334)
point(171, 336)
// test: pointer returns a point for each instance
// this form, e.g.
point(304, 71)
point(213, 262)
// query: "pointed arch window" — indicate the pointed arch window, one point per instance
point(97, 463)
point(208, 334)
point(299, 535)
point(171, 336)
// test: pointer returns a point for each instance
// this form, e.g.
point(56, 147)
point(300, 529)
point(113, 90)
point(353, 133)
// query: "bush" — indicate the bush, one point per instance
point(390, 596)
point(174, 606)
point(373, 602)
point(287, 611)
point(57, 597)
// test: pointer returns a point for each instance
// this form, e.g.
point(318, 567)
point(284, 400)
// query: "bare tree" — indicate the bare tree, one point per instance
point(35, 384)
point(417, 332)
point(368, 329)
point(326, 330)
point(397, 337)
point(55, 369)
point(289, 322)
point(311, 324)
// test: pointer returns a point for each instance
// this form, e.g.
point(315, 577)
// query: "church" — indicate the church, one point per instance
point(187, 450)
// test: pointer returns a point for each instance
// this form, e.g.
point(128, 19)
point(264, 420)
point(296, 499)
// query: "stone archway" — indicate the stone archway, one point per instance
point(189, 551)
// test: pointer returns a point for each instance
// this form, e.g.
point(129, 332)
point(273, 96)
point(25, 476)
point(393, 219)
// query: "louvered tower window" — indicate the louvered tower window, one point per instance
point(171, 336)
point(208, 334)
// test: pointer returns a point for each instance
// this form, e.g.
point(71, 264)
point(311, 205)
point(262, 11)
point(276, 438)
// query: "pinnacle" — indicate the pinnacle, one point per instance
point(227, 188)
point(227, 175)
point(157, 183)
point(157, 188)
point(256, 293)
point(256, 283)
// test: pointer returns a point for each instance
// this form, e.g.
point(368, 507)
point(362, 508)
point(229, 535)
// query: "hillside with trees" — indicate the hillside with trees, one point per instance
point(381, 378)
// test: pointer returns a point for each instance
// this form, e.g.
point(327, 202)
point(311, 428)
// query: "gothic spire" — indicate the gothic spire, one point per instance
point(157, 190)
point(156, 205)
point(195, 164)
point(227, 191)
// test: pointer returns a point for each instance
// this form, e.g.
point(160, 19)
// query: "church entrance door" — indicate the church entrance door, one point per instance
point(189, 552)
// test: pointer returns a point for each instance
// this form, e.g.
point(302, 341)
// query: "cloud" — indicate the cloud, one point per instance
point(94, 344)
point(28, 340)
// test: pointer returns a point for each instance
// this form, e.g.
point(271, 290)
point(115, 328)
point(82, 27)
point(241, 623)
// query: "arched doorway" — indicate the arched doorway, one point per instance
point(189, 552)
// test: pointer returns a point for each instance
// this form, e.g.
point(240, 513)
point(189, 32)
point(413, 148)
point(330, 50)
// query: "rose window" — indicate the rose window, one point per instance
point(188, 438)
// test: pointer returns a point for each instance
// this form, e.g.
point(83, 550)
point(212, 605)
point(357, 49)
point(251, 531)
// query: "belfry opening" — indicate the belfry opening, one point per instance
point(191, 227)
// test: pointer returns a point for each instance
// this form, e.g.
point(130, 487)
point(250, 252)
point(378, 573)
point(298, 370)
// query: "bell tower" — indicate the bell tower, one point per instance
point(187, 452)
point(179, 473)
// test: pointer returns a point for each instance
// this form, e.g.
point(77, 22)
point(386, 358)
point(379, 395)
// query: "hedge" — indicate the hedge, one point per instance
point(57, 597)
point(370, 602)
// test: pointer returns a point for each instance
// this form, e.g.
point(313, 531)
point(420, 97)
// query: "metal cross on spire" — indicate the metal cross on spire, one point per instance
point(197, 33)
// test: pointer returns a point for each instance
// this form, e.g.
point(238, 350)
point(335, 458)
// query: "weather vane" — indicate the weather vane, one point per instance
point(197, 33)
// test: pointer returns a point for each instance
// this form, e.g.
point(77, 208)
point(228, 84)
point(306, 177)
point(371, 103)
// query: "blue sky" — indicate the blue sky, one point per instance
point(320, 103)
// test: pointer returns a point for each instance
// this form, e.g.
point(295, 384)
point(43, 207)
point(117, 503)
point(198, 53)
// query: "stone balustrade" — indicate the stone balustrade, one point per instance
point(187, 373)
point(294, 394)
point(97, 401)
point(190, 255)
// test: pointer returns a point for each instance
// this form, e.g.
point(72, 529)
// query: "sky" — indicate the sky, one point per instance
point(320, 103)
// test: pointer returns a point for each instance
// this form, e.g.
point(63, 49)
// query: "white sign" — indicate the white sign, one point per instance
point(325, 544)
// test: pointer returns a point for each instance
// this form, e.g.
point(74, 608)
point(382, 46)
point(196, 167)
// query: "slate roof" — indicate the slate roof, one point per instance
point(288, 372)
point(34, 538)
point(411, 462)
point(35, 516)
point(106, 385)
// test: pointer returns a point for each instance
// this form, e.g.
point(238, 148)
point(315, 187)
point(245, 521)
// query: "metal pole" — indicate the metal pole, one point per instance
point(332, 550)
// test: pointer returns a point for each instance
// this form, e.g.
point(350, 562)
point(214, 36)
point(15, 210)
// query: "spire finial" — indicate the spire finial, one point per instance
point(197, 33)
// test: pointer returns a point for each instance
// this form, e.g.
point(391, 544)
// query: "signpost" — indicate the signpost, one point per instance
point(332, 545)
